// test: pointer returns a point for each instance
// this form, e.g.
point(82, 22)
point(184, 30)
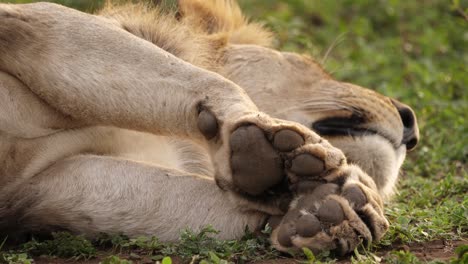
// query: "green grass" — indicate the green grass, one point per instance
point(63, 245)
point(192, 246)
point(414, 51)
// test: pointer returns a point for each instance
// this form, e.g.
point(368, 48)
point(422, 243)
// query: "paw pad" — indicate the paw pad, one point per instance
point(308, 225)
point(287, 140)
point(256, 165)
point(288, 228)
point(207, 124)
point(355, 196)
point(331, 212)
point(307, 165)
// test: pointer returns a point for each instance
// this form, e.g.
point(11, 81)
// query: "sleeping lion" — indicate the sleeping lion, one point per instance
point(143, 122)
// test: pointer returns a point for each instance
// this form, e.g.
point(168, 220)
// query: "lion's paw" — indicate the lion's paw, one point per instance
point(336, 205)
point(331, 217)
point(258, 152)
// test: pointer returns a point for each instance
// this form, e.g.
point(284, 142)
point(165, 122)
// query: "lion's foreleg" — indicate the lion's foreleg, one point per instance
point(90, 69)
point(128, 197)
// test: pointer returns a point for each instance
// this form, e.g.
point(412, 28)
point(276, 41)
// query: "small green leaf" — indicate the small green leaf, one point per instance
point(309, 254)
point(167, 260)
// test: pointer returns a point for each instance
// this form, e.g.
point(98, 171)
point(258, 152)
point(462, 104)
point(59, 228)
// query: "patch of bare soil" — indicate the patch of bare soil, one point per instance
point(434, 250)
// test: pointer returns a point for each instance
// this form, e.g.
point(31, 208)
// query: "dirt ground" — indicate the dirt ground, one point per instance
point(434, 250)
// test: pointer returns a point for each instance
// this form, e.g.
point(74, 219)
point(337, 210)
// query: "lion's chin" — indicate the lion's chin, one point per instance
point(381, 160)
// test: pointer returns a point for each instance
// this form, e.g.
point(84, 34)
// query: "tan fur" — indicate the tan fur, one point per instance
point(223, 17)
point(100, 134)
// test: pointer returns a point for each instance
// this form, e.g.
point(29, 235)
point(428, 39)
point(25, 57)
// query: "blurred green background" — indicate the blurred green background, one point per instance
point(415, 51)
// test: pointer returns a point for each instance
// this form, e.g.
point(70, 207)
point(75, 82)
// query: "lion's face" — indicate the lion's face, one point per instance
point(372, 130)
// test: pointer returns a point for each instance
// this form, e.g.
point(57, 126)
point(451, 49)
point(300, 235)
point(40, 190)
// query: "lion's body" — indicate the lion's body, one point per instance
point(122, 154)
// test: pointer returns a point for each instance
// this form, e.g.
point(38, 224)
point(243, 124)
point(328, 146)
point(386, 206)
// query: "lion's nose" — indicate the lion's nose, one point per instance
point(411, 130)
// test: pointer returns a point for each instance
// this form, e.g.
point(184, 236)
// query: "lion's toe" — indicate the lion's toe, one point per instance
point(287, 140)
point(307, 165)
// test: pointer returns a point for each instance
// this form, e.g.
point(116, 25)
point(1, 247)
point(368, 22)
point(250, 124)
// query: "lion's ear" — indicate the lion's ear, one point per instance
point(223, 17)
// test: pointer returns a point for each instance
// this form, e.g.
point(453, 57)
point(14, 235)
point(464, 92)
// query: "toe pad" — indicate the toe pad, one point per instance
point(287, 140)
point(308, 225)
point(307, 165)
point(331, 212)
point(355, 196)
